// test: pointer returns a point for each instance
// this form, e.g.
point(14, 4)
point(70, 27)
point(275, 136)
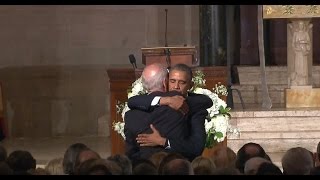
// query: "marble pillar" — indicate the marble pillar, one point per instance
point(212, 35)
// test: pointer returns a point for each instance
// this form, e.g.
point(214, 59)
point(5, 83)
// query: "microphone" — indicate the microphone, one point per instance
point(133, 61)
point(165, 35)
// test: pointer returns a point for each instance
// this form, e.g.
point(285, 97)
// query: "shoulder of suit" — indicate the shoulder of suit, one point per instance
point(193, 94)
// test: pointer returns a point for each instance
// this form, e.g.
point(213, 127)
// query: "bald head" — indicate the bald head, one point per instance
point(86, 155)
point(252, 165)
point(154, 78)
point(178, 167)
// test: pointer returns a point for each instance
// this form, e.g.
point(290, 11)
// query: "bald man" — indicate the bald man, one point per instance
point(175, 126)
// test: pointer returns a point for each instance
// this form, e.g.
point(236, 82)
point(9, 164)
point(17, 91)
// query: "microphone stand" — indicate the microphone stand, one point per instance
point(167, 53)
point(165, 35)
point(167, 50)
point(133, 66)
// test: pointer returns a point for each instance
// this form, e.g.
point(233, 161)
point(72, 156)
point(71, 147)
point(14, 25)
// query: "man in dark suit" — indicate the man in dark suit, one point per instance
point(178, 132)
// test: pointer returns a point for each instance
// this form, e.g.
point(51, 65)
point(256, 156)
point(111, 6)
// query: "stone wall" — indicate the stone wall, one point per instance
point(54, 59)
point(95, 34)
point(56, 100)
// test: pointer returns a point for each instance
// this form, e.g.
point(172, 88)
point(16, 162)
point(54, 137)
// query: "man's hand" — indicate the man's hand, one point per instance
point(176, 102)
point(153, 139)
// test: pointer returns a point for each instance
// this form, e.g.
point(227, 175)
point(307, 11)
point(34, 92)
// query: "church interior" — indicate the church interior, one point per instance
point(60, 65)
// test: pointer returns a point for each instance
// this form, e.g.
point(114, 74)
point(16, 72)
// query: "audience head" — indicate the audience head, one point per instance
point(5, 169)
point(86, 155)
point(297, 161)
point(70, 156)
point(180, 78)
point(248, 151)
point(268, 168)
point(232, 156)
point(54, 166)
point(252, 165)
point(178, 167)
point(39, 171)
point(318, 150)
point(144, 167)
point(167, 159)
point(315, 171)
point(224, 157)
point(3, 153)
point(157, 157)
point(124, 162)
point(226, 171)
point(113, 167)
point(21, 161)
point(93, 167)
point(155, 78)
point(203, 166)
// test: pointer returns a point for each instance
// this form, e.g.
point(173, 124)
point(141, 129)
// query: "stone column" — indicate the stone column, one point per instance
point(212, 35)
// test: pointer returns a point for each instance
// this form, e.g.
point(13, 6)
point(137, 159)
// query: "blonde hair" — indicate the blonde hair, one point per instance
point(55, 167)
point(203, 166)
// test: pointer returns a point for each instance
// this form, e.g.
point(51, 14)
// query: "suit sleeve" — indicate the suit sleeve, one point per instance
point(193, 145)
point(141, 102)
point(198, 102)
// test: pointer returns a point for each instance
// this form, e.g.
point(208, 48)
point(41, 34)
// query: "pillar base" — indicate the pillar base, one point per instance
point(302, 97)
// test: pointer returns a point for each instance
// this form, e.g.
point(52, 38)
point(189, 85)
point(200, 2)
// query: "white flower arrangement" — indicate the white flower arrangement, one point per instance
point(217, 122)
point(220, 89)
point(122, 108)
point(119, 128)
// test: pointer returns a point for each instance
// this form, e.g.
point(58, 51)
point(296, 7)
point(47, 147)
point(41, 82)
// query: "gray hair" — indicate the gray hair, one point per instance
point(155, 82)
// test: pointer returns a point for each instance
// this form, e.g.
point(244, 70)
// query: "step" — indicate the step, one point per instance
point(253, 93)
point(280, 145)
point(252, 74)
point(276, 75)
point(276, 130)
point(277, 124)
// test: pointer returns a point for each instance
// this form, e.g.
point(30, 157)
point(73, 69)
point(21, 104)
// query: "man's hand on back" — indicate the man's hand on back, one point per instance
point(153, 139)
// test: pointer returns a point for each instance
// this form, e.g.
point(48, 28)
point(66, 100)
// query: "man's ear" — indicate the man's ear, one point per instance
point(165, 84)
point(191, 85)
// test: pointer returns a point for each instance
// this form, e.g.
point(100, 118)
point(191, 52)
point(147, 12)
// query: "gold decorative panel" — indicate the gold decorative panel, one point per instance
point(291, 11)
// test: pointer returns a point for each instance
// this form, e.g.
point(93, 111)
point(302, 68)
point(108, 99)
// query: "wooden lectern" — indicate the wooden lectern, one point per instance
point(170, 56)
point(121, 78)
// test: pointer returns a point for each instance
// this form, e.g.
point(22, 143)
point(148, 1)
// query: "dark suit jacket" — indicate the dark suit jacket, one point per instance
point(136, 122)
point(168, 121)
point(185, 133)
